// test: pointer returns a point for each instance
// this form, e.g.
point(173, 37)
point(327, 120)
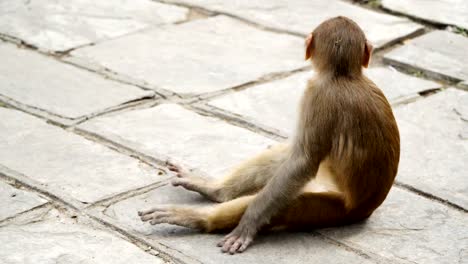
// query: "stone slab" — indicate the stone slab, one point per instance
point(171, 131)
point(450, 12)
point(62, 25)
point(282, 247)
point(67, 164)
point(302, 16)
point(201, 56)
point(62, 240)
point(14, 201)
point(439, 54)
point(410, 229)
point(41, 82)
point(434, 145)
point(274, 104)
point(463, 85)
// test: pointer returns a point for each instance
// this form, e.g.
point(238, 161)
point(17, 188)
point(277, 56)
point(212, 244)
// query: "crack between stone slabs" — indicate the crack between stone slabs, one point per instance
point(118, 77)
point(132, 104)
point(7, 220)
point(419, 20)
point(30, 184)
point(61, 204)
point(157, 163)
point(407, 68)
point(14, 103)
point(260, 26)
point(269, 77)
point(247, 21)
point(65, 123)
point(354, 249)
point(239, 121)
point(383, 10)
point(106, 202)
point(430, 196)
point(135, 238)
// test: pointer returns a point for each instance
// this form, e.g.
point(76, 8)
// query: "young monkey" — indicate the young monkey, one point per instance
point(337, 169)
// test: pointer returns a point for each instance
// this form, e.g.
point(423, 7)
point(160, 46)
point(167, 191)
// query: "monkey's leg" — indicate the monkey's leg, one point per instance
point(309, 210)
point(209, 218)
point(247, 178)
point(312, 210)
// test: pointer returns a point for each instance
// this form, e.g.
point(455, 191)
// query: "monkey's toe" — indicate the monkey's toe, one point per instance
point(233, 244)
point(179, 182)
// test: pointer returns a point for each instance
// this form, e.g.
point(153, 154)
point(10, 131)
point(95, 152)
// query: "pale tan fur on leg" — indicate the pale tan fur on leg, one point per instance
point(247, 178)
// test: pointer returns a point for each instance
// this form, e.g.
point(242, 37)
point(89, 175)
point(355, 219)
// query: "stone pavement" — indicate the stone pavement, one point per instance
point(95, 96)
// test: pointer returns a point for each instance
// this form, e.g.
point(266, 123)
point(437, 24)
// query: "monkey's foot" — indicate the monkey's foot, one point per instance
point(194, 183)
point(186, 217)
point(237, 241)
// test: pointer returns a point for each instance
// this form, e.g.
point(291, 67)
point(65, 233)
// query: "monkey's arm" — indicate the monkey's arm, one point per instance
point(284, 187)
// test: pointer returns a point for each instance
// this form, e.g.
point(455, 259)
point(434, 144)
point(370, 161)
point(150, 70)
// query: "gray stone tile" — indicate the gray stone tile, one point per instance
point(267, 105)
point(440, 54)
point(168, 130)
point(411, 229)
point(463, 85)
point(302, 16)
point(14, 201)
point(200, 56)
point(282, 247)
point(61, 25)
point(63, 90)
point(451, 12)
point(67, 164)
point(58, 239)
point(434, 147)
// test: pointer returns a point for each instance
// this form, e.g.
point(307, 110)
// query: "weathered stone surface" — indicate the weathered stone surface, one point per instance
point(451, 12)
point(439, 53)
point(65, 163)
point(58, 88)
point(302, 16)
point(274, 104)
point(62, 240)
point(200, 56)
point(464, 85)
point(170, 130)
point(61, 25)
point(14, 201)
point(434, 145)
point(399, 87)
point(271, 248)
point(410, 229)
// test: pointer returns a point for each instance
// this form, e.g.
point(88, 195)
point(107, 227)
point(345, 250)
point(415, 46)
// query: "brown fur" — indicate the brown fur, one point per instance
point(338, 168)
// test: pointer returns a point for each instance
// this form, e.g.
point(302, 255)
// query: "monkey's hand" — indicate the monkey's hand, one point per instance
point(238, 240)
point(181, 216)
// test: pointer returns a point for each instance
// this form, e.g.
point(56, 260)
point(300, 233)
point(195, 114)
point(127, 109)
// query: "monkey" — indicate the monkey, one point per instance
point(336, 169)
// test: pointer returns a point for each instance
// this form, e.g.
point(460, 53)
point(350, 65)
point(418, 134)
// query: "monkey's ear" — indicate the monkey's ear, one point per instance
point(367, 54)
point(308, 46)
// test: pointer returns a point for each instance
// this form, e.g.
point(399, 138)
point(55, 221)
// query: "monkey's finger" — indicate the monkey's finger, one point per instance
point(178, 182)
point(228, 244)
point(173, 168)
point(221, 243)
point(233, 249)
point(155, 215)
point(246, 243)
point(161, 220)
point(152, 210)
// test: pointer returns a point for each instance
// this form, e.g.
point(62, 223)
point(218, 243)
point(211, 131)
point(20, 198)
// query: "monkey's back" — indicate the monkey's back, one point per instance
point(365, 143)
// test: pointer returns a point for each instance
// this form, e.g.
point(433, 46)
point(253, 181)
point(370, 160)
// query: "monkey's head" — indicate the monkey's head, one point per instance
point(338, 45)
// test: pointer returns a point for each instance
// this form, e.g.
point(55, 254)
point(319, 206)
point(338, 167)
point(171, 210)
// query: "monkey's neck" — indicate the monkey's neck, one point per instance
point(332, 76)
point(336, 71)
